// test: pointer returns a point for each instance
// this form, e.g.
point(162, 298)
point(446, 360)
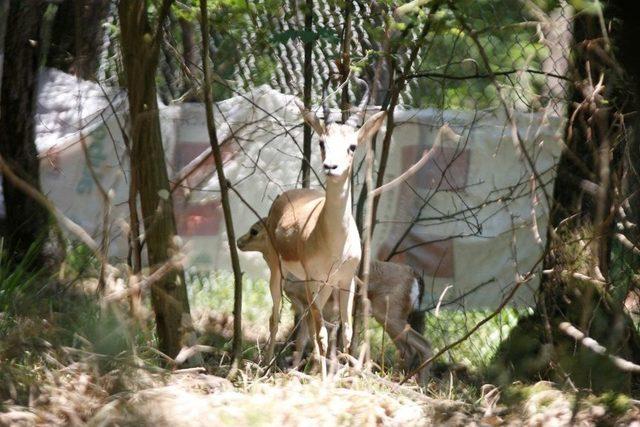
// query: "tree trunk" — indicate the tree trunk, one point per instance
point(77, 37)
point(4, 11)
point(191, 60)
point(581, 287)
point(224, 192)
point(140, 50)
point(308, 84)
point(626, 41)
point(26, 220)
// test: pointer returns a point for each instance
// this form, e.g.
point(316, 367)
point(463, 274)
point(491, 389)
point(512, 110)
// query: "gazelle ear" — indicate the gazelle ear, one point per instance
point(310, 118)
point(371, 126)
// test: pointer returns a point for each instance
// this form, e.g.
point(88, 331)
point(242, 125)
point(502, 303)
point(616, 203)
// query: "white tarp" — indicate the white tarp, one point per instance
point(479, 224)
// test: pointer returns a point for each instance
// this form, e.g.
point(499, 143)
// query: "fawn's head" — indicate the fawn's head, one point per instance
point(255, 239)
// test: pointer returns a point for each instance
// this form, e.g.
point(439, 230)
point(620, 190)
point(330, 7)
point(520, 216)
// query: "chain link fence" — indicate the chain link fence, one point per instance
point(524, 47)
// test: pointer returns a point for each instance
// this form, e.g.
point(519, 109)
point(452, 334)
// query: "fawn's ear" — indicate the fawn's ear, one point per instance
point(310, 118)
point(371, 126)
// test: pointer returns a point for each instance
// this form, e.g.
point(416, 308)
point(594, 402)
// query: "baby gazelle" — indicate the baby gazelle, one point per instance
point(395, 292)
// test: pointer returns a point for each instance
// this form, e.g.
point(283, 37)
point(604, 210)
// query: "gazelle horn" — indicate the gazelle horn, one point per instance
point(356, 118)
point(325, 107)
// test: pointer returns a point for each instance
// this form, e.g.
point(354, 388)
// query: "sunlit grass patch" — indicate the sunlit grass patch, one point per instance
point(477, 350)
point(214, 291)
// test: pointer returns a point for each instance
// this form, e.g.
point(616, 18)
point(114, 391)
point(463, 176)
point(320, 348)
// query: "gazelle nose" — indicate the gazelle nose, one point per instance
point(329, 167)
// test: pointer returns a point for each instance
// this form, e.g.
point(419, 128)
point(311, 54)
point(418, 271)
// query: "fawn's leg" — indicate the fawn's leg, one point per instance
point(302, 332)
point(275, 287)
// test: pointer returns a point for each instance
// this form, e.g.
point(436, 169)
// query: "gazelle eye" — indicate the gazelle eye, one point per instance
point(253, 232)
point(322, 145)
point(352, 147)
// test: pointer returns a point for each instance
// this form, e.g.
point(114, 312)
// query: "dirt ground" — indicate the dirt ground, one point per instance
point(74, 396)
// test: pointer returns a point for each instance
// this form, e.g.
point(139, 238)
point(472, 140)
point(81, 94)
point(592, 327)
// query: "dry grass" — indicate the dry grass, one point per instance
point(86, 364)
point(79, 395)
point(286, 399)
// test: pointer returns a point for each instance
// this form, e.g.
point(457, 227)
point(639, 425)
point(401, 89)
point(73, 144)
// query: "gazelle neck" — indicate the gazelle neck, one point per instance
point(336, 213)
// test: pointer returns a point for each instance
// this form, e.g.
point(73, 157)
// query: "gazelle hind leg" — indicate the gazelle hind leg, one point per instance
point(422, 353)
point(345, 299)
point(398, 331)
point(393, 326)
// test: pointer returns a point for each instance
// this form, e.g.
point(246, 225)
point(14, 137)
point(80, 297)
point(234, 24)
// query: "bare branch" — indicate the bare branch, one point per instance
point(158, 274)
point(426, 156)
point(591, 344)
point(434, 75)
point(65, 221)
point(503, 303)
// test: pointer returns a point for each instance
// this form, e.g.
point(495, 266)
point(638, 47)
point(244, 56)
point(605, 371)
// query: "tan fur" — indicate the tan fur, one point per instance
point(390, 288)
point(293, 216)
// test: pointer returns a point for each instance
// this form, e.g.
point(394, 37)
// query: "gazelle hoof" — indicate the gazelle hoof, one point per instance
point(347, 334)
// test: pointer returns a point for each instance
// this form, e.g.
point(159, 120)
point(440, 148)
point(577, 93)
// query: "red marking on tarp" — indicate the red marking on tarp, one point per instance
point(447, 169)
point(186, 152)
point(195, 176)
point(198, 219)
point(432, 255)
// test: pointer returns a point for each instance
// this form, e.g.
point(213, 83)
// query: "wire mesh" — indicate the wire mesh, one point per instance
point(526, 50)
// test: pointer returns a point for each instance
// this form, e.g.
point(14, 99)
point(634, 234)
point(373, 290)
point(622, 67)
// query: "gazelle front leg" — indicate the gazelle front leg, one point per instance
point(345, 299)
point(275, 287)
point(315, 302)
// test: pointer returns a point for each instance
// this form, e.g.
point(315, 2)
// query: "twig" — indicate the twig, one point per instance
point(106, 201)
point(515, 134)
point(194, 165)
point(65, 221)
point(426, 156)
point(197, 369)
point(504, 302)
point(345, 60)
point(147, 282)
point(188, 352)
point(437, 312)
point(135, 245)
point(395, 90)
point(308, 82)
point(366, 253)
point(433, 75)
point(622, 364)
point(627, 243)
point(162, 16)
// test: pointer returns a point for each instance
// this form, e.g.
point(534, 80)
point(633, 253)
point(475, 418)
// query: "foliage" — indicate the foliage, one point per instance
point(260, 42)
point(18, 280)
point(532, 351)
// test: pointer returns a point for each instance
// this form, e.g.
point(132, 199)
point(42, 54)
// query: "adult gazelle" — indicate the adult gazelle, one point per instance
point(313, 235)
